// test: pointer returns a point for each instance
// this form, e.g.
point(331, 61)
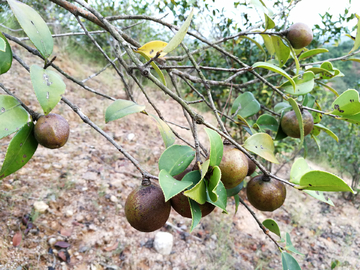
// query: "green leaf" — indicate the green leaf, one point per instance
point(295, 107)
point(320, 196)
point(351, 118)
point(120, 108)
point(322, 181)
point(34, 26)
point(268, 44)
point(357, 38)
point(298, 169)
point(176, 158)
point(282, 106)
point(311, 53)
point(204, 168)
point(329, 88)
point(198, 192)
point(327, 131)
point(221, 197)
point(282, 52)
point(12, 115)
point(166, 133)
point(5, 55)
point(247, 105)
point(289, 262)
point(156, 68)
point(171, 187)
point(179, 37)
point(262, 145)
point(352, 59)
point(272, 226)
point(269, 23)
point(346, 104)
point(275, 69)
point(2, 43)
point(289, 245)
point(213, 183)
point(267, 122)
point(21, 148)
point(304, 84)
point(237, 202)
point(216, 147)
point(48, 87)
point(234, 191)
point(195, 214)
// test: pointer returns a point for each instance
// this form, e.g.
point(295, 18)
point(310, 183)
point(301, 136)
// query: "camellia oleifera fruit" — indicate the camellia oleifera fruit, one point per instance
point(146, 209)
point(252, 166)
point(265, 194)
point(290, 123)
point(180, 202)
point(299, 35)
point(52, 131)
point(234, 166)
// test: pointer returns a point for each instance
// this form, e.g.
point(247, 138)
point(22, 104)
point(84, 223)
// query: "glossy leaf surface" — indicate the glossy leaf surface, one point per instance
point(48, 87)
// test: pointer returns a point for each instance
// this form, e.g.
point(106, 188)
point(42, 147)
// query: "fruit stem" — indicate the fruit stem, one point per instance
point(266, 178)
point(146, 181)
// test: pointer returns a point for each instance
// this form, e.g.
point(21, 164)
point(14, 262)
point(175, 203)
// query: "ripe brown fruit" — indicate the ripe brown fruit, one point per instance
point(146, 209)
point(180, 202)
point(234, 166)
point(252, 166)
point(290, 124)
point(52, 131)
point(299, 35)
point(265, 194)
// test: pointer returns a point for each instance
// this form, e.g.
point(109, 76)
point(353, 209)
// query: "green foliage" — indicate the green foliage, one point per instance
point(34, 27)
point(48, 87)
point(120, 108)
point(5, 55)
point(12, 115)
point(21, 149)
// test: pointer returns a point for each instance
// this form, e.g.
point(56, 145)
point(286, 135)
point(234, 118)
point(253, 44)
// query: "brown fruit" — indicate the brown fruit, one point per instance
point(180, 202)
point(234, 166)
point(146, 209)
point(290, 124)
point(52, 131)
point(252, 166)
point(265, 194)
point(299, 35)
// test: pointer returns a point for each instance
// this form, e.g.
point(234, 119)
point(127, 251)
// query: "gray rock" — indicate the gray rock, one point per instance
point(163, 242)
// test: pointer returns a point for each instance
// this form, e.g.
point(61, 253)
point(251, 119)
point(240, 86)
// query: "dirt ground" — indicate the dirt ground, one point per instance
point(86, 182)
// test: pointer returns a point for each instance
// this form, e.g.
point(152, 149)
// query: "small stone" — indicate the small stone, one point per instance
point(52, 241)
point(130, 136)
point(69, 213)
point(163, 242)
point(8, 187)
point(92, 227)
point(47, 166)
point(91, 176)
point(79, 218)
point(214, 237)
point(40, 206)
point(83, 249)
point(113, 199)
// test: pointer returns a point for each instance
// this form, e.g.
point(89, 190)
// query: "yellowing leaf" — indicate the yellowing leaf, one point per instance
point(151, 48)
point(262, 145)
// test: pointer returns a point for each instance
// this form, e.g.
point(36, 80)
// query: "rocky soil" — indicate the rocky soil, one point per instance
point(84, 186)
